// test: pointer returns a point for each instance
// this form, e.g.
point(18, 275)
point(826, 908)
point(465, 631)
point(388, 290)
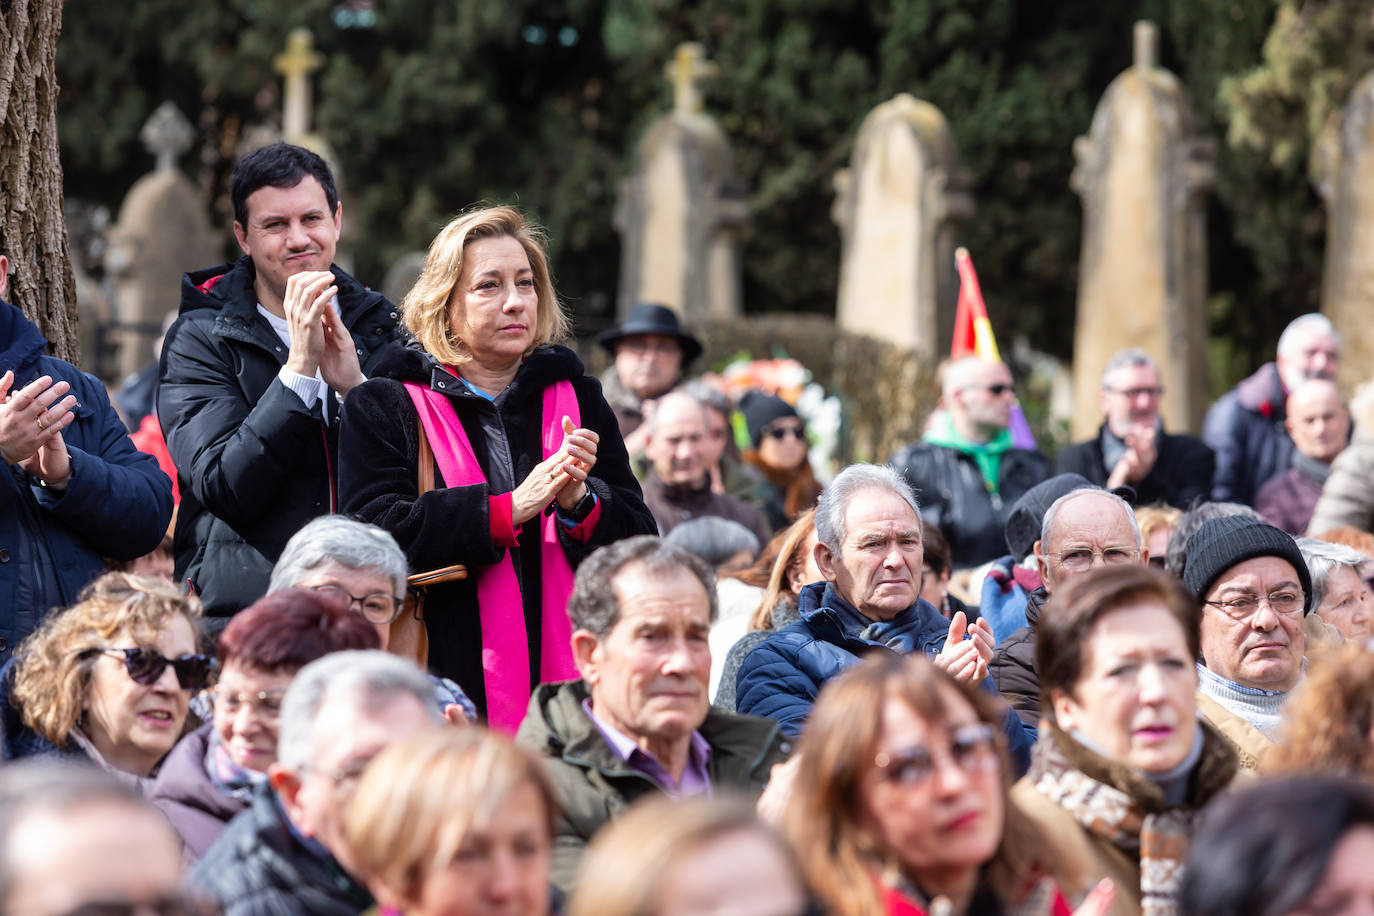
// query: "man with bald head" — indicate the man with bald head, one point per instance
point(678, 485)
point(965, 470)
point(1245, 427)
point(1319, 424)
point(1082, 529)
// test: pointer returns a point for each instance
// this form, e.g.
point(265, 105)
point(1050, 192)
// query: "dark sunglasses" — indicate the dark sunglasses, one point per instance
point(784, 432)
point(145, 666)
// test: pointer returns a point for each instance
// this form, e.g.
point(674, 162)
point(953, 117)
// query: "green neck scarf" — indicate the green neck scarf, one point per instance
point(988, 455)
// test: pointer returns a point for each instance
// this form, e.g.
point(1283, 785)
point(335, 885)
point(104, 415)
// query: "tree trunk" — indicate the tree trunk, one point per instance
point(33, 230)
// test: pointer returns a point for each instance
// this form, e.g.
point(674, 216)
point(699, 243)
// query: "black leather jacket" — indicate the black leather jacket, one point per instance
point(955, 499)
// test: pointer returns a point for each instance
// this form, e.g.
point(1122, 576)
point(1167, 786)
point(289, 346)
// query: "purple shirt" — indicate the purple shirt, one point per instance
point(695, 779)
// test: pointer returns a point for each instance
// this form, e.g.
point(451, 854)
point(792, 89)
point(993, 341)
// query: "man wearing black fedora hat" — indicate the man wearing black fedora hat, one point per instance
point(651, 350)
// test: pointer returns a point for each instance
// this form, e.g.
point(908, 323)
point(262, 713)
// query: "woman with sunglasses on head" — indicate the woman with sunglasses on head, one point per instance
point(780, 451)
point(899, 804)
point(211, 775)
point(1123, 763)
point(110, 678)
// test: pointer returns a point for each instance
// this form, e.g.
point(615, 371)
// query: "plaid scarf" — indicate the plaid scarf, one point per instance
point(1121, 805)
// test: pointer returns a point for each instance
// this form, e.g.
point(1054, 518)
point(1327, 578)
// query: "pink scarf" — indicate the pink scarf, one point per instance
point(505, 644)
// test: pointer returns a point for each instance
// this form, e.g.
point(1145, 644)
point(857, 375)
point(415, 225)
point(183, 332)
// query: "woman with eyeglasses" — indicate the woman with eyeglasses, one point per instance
point(211, 775)
point(690, 857)
point(1123, 763)
point(899, 804)
point(781, 452)
point(109, 679)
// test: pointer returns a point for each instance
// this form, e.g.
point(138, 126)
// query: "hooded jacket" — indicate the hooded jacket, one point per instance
point(377, 484)
point(260, 867)
point(594, 785)
point(254, 463)
point(116, 504)
point(781, 678)
point(197, 808)
point(1245, 430)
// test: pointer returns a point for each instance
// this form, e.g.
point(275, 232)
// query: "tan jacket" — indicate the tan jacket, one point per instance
point(1085, 857)
point(1250, 743)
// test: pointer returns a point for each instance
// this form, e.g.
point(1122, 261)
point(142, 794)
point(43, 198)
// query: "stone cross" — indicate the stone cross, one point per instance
point(295, 66)
point(167, 135)
point(687, 71)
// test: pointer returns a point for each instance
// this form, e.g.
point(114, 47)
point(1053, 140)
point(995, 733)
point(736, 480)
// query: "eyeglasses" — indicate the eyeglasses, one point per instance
point(145, 666)
point(1284, 604)
point(1081, 560)
point(971, 747)
point(169, 905)
point(1132, 394)
point(376, 608)
point(785, 432)
point(265, 703)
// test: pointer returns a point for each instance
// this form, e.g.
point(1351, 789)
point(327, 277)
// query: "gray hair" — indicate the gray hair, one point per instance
point(713, 538)
point(834, 502)
point(366, 677)
point(1047, 524)
point(56, 785)
point(707, 396)
point(1303, 327)
point(1176, 556)
point(1322, 558)
point(337, 539)
point(593, 606)
point(1125, 359)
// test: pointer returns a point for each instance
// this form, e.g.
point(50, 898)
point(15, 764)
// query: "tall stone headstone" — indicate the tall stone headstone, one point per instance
point(681, 213)
point(1347, 186)
point(899, 206)
point(162, 231)
point(1142, 172)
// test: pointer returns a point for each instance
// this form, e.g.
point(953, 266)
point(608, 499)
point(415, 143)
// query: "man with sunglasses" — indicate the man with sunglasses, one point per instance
point(1131, 448)
point(965, 470)
point(1256, 591)
point(75, 489)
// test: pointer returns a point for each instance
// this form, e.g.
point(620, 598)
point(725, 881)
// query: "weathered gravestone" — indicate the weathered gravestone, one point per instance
point(682, 210)
point(898, 206)
point(162, 232)
point(1142, 171)
point(1347, 186)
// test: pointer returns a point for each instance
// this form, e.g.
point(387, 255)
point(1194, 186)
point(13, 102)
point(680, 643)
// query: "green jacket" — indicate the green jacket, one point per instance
point(594, 785)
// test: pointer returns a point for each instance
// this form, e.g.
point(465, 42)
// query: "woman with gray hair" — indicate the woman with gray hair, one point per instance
point(359, 564)
point(1339, 595)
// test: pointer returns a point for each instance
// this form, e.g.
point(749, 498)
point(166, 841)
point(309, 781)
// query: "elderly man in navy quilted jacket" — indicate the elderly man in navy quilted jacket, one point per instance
point(868, 547)
point(75, 488)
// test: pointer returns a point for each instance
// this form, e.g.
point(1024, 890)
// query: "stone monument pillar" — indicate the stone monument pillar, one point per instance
point(1347, 186)
point(162, 231)
point(1142, 171)
point(898, 206)
point(682, 211)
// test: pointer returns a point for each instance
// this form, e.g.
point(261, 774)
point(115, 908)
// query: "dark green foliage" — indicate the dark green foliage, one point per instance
point(440, 105)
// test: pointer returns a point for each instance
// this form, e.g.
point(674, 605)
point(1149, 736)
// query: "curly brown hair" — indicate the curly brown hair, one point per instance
point(52, 673)
point(1327, 725)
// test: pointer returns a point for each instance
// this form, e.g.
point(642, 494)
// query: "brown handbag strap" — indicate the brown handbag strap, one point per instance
point(425, 464)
